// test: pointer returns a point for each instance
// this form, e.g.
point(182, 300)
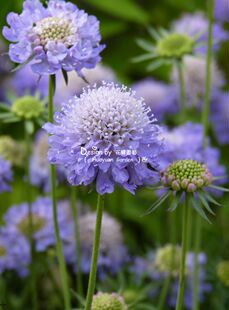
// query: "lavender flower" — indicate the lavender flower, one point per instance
point(185, 142)
point(158, 96)
point(195, 77)
point(25, 81)
point(197, 24)
point(76, 84)
point(39, 165)
point(222, 10)
point(17, 220)
point(59, 36)
point(220, 117)
point(113, 253)
point(107, 135)
point(5, 175)
point(157, 270)
point(14, 255)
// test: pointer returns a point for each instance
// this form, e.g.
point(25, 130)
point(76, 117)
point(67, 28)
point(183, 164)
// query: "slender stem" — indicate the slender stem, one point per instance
point(205, 119)
point(75, 213)
point(30, 217)
point(182, 89)
point(59, 247)
point(95, 254)
point(164, 293)
point(180, 296)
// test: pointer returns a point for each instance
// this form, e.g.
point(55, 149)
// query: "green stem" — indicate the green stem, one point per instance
point(75, 213)
point(205, 119)
point(180, 296)
point(182, 89)
point(164, 293)
point(95, 254)
point(59, 247)
point(30, 216)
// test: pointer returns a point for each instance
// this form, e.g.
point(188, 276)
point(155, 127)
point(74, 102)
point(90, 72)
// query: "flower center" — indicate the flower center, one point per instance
point(175, 45)
point(186, 174)
point(38, 224)
point(55, 29)
point(2, 251)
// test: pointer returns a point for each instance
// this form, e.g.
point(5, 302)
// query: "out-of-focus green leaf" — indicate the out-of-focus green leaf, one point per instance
point(111, 28)
point(125, 9)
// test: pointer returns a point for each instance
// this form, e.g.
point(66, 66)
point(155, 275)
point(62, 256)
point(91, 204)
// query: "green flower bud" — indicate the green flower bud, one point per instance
point(187, 174)
point(175, 45)
point(105, 301)
point(130, 295)
point(168, 259)
point(28, 107)
point(12, 150)
point(223, 272)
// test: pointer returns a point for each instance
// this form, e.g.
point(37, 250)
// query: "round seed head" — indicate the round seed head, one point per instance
point(28, 107)
point(105, 301)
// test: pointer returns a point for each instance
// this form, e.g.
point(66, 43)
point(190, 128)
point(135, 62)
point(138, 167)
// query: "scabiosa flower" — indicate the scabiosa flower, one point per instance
point(39, 165)
point(195, 77)
point(26, 82)
point(18, 222)
point(168, 259)
point(6, 175)
point(220, 117)
point(107, 135)
point(158, 96)
point(105, 301)
point(59, 36)
point(223, 272)
point(28, 107)
point(76, 84)
point(14, 255)
point(12, 150)
point(196, 25)
point(113, 253)
point(222, 10)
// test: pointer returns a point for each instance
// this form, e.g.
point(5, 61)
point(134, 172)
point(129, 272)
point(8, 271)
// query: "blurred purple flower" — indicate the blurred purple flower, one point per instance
point(186, 142)
point(197, 24)
point(222, 10)
point(113, 253)
point(25, 81)
point(220, 117)
point(39, 165)
point(158, 96)
point(6, 175)
point(59, 36)
point(14, 253)
point(106, 135)
point(17, 221)
point(76, 84)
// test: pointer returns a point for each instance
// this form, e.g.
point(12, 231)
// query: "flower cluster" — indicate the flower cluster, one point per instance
point(221, 10)
point(6, 175)
point(12, 150)
point(113, 253)
point(106, 122)
point(59, 36)
point(28, 107)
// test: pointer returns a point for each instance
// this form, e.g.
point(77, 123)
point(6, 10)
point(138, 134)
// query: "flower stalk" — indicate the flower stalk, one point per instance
point(183, 100)
point(95, 254)
point(59, 247)
point(205, 119)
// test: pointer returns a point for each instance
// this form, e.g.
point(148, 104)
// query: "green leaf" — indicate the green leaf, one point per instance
point(143, 58)
point(145, 45)
point(11, 120)
point(128, 10)
point(155, 65)
point(154, 34)
point(176, 202)
point(4, 107)
point(199, 210)
point(219, 188)
point(205, 203)
point(6, 115)
point(211, 199)
point(157, 203)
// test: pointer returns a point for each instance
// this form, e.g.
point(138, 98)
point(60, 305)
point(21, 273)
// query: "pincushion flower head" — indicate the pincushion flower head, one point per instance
point(18, 221)
point(105, 301)
point(221, 11)
point(107, 136)
point(113, 253)
point(53, 37)
point(6, 175)
point(188, 178)
point(12, 150)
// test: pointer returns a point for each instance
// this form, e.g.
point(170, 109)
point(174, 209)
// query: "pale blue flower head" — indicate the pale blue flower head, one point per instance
point(5, 175)
point(53, 37)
